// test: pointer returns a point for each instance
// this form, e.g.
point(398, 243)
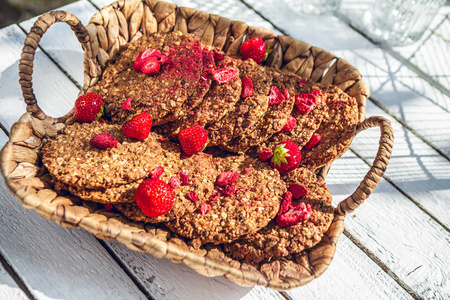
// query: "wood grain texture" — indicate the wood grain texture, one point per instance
point(416, 168)
point(50, 84)
point(8, 287)
point(396, 231)
point(404, 93)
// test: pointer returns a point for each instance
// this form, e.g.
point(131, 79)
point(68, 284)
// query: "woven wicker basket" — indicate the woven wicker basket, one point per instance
point(125, 21)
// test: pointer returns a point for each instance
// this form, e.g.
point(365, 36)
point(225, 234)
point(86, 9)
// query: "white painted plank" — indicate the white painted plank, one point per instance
point(166, 280)
point(8, 287)
point(405, 95)
point(403, 237)
point(60, 36)
point(49, 82)
point(415, 167)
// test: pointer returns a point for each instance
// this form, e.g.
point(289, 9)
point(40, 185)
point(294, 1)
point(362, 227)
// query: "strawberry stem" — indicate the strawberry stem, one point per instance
point(279, 155)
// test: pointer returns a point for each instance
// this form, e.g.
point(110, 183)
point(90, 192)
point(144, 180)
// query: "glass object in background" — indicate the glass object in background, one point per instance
point(401, 22)
point(313, 7)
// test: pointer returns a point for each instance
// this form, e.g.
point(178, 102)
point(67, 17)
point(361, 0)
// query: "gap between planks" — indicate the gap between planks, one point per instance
point(15, 276)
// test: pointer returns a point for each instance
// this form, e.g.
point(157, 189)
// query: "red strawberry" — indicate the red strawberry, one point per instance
point(225, 75)
point(286, 157)
point(103, 141)
point(291, 213)
point(138, 127)
point(265, 155)
point(88, 107)
point(290, 124)
point(313, 141)
point(127, 103)
point(108, 206)
point(247, 87)
point(306, 102)
point(254, 48)
point(275, 96)
point(193, 139)
point(151, 66)
point(297, 190)
point(154, 197)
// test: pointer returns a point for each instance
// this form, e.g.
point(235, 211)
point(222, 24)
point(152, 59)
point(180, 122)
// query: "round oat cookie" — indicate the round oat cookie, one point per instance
point(272, 122)
point(202, 171)
point(158, 94)
point(220, 98)
point(246, 112)
point(337, 129)
point(169, 160)
point(256, 201)
point(307, 123)
point(70, 159)
point(277, 241)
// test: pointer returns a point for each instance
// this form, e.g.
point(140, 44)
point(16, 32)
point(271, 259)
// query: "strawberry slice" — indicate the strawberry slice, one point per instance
point(225, 75)
point(292, 213)
point(141, 58)
point(247, 87)
point(297, 190)
point(151, 66)
point(103, 141)
point(313, 141)
point(275, 96)
point(127, 103)
point(265, 155)
point(306, 102)
point(290, 124)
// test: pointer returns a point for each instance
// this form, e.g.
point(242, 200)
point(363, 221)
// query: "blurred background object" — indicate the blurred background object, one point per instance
point(16, 11)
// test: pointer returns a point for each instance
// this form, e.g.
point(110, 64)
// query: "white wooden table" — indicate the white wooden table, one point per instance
point(396, 245)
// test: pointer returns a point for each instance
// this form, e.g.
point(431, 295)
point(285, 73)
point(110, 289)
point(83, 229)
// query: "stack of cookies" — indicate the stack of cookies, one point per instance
point(234, 193)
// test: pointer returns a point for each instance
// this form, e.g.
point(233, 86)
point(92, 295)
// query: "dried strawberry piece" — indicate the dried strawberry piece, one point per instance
point(192, 195)
point(127, 104)
point(157, 172)
point(103, 141)
point(225, 75)
point(184, 175)
point(305, 102)
point(217, 56)
point(161, 139)
point(302, 82)
point(297, 190)
point(229, 190)
point(290, 124)
point(214, 197)
point(204, 208)
point(247, 87)
point(248, 170)
point(291, 213)
point(151, 66)
point(140, 59)
point(286, 94)
point(265, 155)
point(108, 206)
point(174, 182)
point(275, 96)
point(226, 178)
point(313, 141)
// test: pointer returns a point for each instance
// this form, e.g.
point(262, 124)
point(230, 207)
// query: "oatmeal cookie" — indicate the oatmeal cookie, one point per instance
point(247, 111)
point(202, 171)
point(70, 159)
point(243, 207)
point(307, 123)
point(272, 122)
point(216, 103)
point(337, 130)
point(277, 241)
point(158, 94)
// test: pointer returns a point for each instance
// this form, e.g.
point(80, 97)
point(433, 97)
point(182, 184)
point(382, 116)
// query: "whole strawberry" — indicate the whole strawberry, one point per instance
point(138, 127)
point(254, 48)
point(154, 197)
point(193, 139)
point(286, 157)
point(88, 107)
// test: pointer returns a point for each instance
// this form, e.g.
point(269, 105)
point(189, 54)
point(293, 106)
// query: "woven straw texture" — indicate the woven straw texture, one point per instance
point(125, 21)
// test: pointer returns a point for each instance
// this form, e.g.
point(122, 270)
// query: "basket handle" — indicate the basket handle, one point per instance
point(379, 165)
point(29, 49)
